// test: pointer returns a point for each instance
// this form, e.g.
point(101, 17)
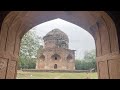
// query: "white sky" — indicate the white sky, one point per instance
point(79, 39)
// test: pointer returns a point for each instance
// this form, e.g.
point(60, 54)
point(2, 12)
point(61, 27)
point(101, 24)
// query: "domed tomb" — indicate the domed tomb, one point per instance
point(56, 53)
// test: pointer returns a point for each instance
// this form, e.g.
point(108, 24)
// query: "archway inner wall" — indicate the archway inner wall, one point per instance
point(97, 23)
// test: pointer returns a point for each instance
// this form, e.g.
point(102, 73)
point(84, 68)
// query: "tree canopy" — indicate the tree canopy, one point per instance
point(88, 62)
point(30, 44)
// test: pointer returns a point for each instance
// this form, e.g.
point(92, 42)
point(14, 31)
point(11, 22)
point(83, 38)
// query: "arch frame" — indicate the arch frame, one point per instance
point(56, 57)
point(97, 23)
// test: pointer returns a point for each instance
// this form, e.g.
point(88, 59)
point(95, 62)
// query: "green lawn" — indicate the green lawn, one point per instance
point(55, 75)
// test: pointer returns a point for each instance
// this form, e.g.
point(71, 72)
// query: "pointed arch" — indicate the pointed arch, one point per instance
point(55, 57)
point(42, 58)
point(55, 66)
point(69, 57)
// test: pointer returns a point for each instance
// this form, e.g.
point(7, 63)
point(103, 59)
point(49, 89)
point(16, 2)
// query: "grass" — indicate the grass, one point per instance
point(54, 75)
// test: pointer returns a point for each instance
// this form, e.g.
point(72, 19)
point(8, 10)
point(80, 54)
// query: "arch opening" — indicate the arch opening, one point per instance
point(55, 57)
point(42, 58)
point(69, 57)
point(55, 66)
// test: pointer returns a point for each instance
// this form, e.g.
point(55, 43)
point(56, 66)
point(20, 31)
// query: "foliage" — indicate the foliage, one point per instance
point(90, 55)
point(30, 46)
point(88, 61)
point(30, 43)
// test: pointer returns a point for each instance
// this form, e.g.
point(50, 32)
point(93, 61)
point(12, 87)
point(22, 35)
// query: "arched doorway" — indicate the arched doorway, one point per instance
point(97, 23)
point(55, 66)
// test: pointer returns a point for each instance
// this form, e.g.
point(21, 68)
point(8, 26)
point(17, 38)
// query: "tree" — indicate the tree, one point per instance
point(30, 44)
point(88, 62)
point(90, 55)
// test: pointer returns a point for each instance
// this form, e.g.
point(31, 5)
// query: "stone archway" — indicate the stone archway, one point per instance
point(55, 66)
point(42, 58)
point(69, 58)
point(97, 23)
point(55, 57)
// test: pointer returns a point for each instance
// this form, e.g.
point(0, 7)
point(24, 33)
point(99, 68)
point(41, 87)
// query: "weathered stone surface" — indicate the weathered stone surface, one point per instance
point(11, 69)
point(3, 68)
point(55, 54)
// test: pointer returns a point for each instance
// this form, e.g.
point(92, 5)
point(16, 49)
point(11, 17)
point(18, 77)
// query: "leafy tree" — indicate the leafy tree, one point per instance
point(90, 55)
point(30, 44)
point(88, 62)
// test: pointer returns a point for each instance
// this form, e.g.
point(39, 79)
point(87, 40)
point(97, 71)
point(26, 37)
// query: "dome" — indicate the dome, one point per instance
point(56, 34)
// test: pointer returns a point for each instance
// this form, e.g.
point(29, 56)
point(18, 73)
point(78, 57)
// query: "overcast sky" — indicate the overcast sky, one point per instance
point(80, 40)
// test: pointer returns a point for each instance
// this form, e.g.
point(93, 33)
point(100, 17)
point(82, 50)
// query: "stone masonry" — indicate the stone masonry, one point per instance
point(56, 54)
